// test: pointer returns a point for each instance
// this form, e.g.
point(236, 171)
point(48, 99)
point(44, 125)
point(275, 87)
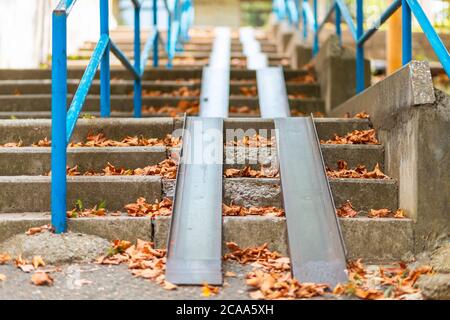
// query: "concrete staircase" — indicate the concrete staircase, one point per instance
point(25, 102)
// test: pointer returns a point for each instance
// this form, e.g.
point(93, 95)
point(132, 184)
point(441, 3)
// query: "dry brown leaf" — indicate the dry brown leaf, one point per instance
point(355, 137)
point(230, 274)
point(41, 279)
point(40, 229)
point(360, 172)
point(391, 283)
point(143, 209)
point(169, 286)
point(380, 213)
point(208, 290)
point(4, 258)
point(248, 172)
point(347, 210)
point(233, 210)
point(37, 262)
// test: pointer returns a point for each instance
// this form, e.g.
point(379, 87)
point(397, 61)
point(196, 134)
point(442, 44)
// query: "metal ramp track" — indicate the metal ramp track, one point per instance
point(316, 248)
point(194, 254)
point(195, 241)
point(252, 49)
point(273, 101)
point(215, 91)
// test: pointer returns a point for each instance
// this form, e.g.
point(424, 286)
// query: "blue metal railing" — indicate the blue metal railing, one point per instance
point(302, 9)
point(63, 120)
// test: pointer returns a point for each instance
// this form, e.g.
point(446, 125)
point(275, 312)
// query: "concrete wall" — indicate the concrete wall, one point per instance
point(413, 122)
point(336, 73)
point(217, 13)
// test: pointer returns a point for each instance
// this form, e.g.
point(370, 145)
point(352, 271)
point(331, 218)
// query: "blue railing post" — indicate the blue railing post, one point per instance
point(360, 72)
point(316, 31)
point(169, 36)
point(137, 62)
point(156, 40)
point(105, 90)
point(59, 105)
point(406, 33)
point(338, 23)
point(305, 22)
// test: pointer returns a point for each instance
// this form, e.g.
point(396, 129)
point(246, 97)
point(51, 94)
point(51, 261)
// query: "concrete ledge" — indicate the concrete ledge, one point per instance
point(336, 72)
point(373, 240)
point(42, 102)
point(326, 127)
point(110, 228)
point(368, 155)
point(410, 86)
point(32, 194)
point(413, 123)
point(31, 130)
point(365, 194)
point(36, 161)
point(125, 87)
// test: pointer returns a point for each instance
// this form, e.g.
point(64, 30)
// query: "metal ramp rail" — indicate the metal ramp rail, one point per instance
point(194, 254)
point(252, 49)
point(315, 243)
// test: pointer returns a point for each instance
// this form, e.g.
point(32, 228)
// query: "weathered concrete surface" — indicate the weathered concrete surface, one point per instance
point(299, 52)
point(336, 72)
point(109, 228)
point(374, 240)
point(284, 37)
point(440, 259)
point(125, 87)
point(116, 73)
point(365, 194)
point(36, 161)
point(378, 240)
point(413, 123)
point(32, 193)
point(42, 102)
point(326, 127)
point(30, 131)
point(435, 287)
point(56, 248)
point(354, 155)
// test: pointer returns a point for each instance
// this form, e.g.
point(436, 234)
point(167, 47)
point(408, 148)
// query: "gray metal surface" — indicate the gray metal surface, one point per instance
point(273, 100)
point(195, 241)
point(215, 89)
point(221, 50)
point(315, 243)
point(256, 59)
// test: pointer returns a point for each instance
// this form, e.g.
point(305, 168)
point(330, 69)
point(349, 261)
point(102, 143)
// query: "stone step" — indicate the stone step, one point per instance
point(86, 54)
point(373, 240)
point(32, 193)
point(30, 131)
point(42, 102)
point(126, 87)
point(36, 161)
point(364, 194)
point(236, 47)
point(160, 73)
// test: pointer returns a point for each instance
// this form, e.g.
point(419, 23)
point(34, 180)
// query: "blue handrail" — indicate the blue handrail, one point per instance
point(409, 8)
point(64, 122)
